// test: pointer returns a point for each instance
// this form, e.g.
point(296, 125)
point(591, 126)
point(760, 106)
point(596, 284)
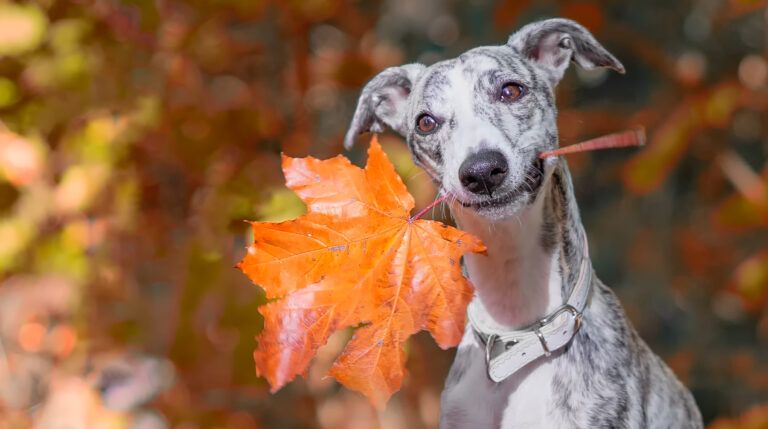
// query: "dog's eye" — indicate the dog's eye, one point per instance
point(512, 91)
point(426, 123)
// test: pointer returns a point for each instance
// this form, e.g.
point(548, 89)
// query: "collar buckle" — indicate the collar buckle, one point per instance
point(560, 310)
point(491, 339)
point(549, 318)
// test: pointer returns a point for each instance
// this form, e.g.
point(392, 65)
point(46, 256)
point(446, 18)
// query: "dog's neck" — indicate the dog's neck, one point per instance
point(533, 258)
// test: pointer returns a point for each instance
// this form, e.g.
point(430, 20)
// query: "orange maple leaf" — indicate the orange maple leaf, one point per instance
point(356, 257)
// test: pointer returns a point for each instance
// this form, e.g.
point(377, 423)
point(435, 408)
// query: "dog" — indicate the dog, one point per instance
point(547, 344)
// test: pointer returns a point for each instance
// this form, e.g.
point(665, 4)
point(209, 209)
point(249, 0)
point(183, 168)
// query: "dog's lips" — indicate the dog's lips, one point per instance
point(534, 177)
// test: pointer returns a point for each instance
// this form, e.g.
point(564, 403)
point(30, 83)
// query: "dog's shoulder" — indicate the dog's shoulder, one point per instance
point(611, 375)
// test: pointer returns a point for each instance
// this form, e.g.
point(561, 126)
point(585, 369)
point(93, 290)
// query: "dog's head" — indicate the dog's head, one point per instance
point(478, 122)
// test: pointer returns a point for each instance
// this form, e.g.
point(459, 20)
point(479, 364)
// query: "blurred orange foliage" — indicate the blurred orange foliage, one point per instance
point(136, 136)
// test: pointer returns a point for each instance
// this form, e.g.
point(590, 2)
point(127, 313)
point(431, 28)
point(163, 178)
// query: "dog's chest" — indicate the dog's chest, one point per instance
point(530, 403)
point(524, 400)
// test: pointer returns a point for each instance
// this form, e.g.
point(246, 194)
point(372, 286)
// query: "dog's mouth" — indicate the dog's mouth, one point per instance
point(534, 177)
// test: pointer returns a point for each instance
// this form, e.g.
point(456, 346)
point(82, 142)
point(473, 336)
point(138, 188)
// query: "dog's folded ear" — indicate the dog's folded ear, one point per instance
point(383, 102)
point(553, 43)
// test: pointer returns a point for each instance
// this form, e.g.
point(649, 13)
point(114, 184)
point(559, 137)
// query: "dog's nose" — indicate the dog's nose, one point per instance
point(483, 172)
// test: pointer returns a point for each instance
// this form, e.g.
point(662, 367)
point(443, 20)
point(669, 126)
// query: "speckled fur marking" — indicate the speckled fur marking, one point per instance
point(606, 377)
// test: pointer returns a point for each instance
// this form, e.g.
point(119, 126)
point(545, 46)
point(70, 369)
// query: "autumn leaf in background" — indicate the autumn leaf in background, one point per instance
point(750, 279)
point(356, 259)
point(754, 418)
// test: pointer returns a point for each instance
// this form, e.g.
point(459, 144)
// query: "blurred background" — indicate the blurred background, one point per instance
point(137, 136)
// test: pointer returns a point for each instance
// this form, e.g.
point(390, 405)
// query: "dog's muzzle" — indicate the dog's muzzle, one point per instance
point(534, 177)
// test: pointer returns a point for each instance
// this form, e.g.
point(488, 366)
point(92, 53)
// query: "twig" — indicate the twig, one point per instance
point(630, 138)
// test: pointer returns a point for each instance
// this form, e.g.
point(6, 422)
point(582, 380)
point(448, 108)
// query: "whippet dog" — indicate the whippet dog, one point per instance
point(547, 344)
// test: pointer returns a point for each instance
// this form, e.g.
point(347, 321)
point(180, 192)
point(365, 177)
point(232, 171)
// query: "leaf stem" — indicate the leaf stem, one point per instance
point(423, 211)
point(635, 137)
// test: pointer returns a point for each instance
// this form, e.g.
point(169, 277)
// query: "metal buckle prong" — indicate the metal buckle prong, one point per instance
point(489, 346)
point(543, 342)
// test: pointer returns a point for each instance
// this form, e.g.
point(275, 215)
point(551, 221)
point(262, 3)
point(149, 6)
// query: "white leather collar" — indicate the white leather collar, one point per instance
point(506, 351)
